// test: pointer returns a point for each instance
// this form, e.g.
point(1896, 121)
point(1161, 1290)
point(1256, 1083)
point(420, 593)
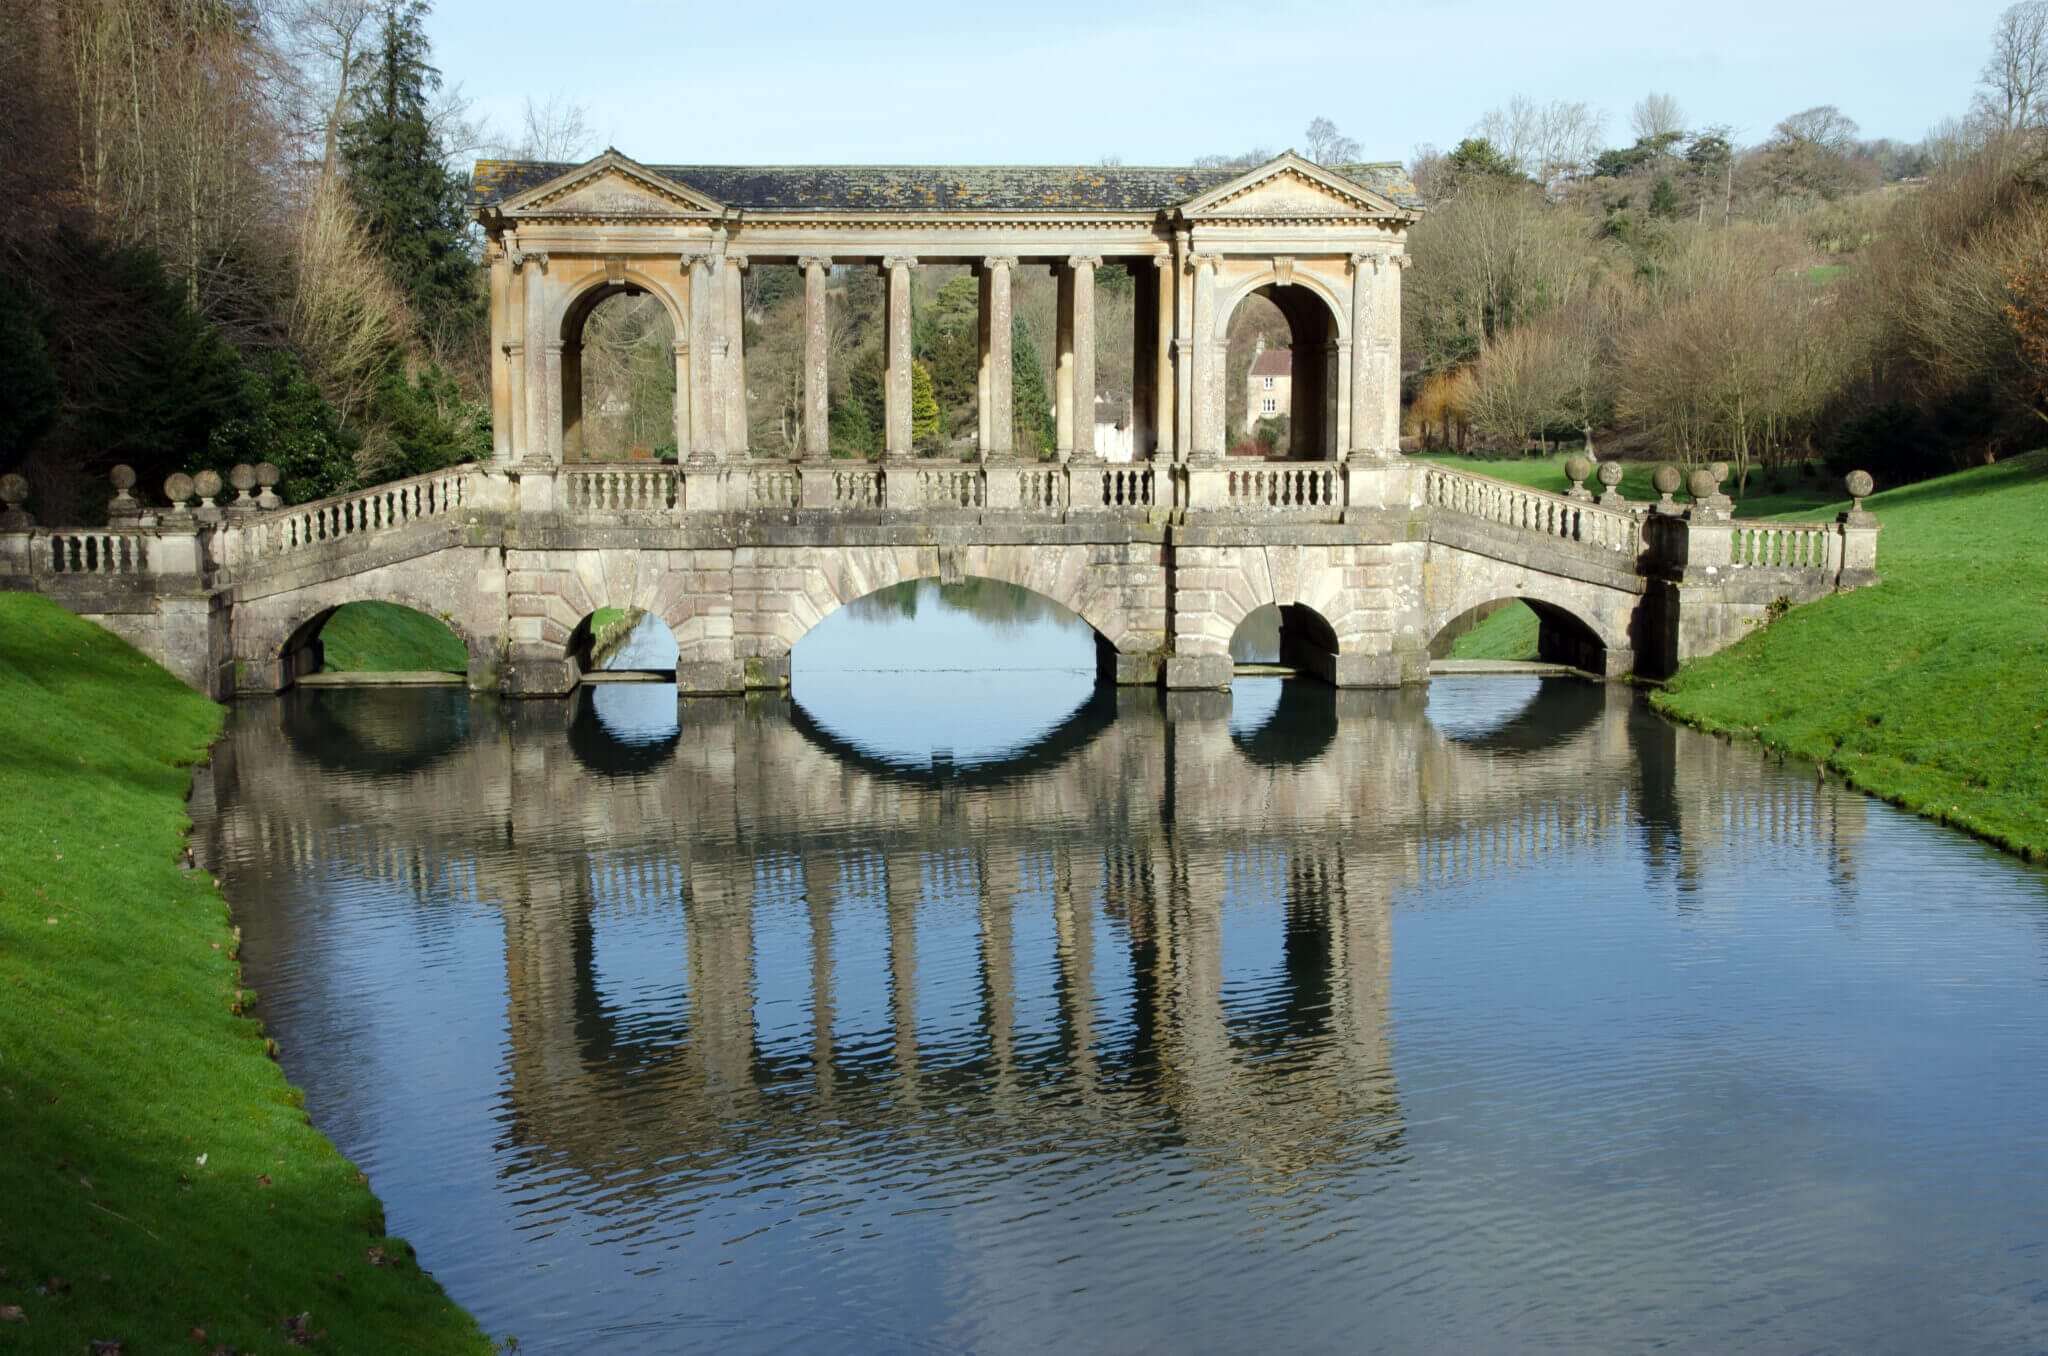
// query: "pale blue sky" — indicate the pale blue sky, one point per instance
point(1155, 83)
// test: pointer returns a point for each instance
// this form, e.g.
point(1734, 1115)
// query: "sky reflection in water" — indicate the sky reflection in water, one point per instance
point(1500, 1017)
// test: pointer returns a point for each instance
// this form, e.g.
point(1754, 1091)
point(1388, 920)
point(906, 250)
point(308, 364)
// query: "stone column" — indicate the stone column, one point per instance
point(1207, 440)
point(683, 403)
point(817, 394)
point(1161, 358)
point(738, 436)
point(554, 402)
point(515, 418)
point(706, 351)
point(998, 422)
point(1083, 267)
point(531, 446)
point(1063, 368)
point(1179, 352)
point(1364, 417)
point(896, 365)
point(1388, 344)
point(502, 376)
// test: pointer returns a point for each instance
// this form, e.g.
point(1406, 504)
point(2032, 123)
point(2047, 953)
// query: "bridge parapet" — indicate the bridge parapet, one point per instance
point(287, 532)
point(1555, 516)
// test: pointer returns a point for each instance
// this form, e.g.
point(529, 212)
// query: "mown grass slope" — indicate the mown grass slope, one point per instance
point(160, 1185)
point(372, 637)
point(1931, 689)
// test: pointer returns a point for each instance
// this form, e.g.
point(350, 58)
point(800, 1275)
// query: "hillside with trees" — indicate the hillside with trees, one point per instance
point(1813, 295)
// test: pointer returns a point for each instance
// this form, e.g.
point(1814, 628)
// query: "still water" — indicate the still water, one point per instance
point(958, 1004)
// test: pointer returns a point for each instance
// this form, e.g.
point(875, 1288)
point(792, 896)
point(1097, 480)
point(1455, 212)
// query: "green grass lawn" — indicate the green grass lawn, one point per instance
point(1508, 634)
point(160, 1184)
point(387, 638)
point(1931, 689)
point(1800, 496)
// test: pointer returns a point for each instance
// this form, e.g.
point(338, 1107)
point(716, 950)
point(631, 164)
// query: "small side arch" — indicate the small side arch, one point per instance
point(573, 313)
point(1594, 639)
point(288, 650)
point(1314, 376)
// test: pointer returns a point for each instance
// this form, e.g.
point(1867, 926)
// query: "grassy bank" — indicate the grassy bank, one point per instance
point(160, 1184)
point(386, 638)
point(1930, 690)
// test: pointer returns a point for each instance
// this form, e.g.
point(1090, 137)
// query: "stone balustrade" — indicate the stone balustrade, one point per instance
point(112, 551)
point(599, 490)
point(287, 531)
point(1791, 546)
point(1535, 511)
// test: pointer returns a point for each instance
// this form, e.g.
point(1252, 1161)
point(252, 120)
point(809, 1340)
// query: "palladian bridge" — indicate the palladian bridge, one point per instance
point(741, 551)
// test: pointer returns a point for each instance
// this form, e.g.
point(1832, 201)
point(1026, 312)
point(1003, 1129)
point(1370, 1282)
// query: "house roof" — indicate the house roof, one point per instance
point(926, 188)
point(1273, 362)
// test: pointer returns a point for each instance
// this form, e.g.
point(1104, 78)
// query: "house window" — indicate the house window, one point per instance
point(1269, 383)
point(1269, 405)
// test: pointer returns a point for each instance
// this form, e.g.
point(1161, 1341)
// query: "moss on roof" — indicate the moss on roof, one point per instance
point(926, 188)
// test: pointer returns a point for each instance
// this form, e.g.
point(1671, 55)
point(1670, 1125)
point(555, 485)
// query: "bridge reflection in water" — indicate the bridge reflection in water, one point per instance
point(745, 955)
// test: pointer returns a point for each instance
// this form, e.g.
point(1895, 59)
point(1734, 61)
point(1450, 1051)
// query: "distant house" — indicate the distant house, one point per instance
point(1267, 385)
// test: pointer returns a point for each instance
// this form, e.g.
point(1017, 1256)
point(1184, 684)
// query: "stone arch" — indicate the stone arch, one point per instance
point(286, 642)
point(831, 579)
point(573, 312)
point(1582, 625)
point(1318, 331)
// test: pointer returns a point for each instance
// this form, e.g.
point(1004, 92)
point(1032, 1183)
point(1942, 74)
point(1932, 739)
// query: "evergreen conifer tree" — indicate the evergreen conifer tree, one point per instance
point(410, 203)
point(1030, 405)
point(926, 427)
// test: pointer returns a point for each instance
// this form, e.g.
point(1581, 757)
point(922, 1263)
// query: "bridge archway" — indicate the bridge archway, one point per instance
point(1291, 634)
point(385, 634)
point(1314, 320)
point(621, 369)
point(624, 640)
point(1563, 635)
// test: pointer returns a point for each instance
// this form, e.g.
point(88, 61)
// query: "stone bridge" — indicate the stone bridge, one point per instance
point(1163, 562)
point(1368, 556)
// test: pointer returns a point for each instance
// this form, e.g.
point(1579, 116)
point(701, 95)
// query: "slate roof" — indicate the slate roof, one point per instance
point(925, 188)
point(1273, 362)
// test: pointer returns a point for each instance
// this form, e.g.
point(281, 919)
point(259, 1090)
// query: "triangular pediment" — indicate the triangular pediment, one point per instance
point(1291, 188)
point(612, 187)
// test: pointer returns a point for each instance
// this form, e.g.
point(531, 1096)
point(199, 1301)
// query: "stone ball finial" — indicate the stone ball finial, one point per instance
point(13, 493)
point(267, 475)
point(1859, 484)
point(123, 477)
point(243, 477)
point(1577, 467)
point(178, 488)
point(1666, 480)
point(207, 485)
point(1719, 470)
point(1702, 484)
point(1610, 473)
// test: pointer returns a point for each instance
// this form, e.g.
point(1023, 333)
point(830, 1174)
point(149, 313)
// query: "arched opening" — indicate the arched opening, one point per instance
point(1523, 713)
point(624, 729)
point(1295, 637)
point(1520, 630)
point(372, 642)
point(924, 674)
point(619, 377)
point(1280, 375)
point(624, 644)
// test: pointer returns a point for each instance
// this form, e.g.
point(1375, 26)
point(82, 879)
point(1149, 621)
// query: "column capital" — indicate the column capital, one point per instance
point(521, 258)
point(737, 258)
point(1400, 261)
point(692, 259)
point(1373, 257)
point(1162, 262)
point(892, 262)
point(1202, 261)
point(996, 261)
point(810, 261)
point(1084, 261)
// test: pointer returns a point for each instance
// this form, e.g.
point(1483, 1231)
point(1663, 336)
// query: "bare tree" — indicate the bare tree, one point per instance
point(1550, 143)
point(1257, 155)
point(2015, 78)
point(1656, 116)
point(554, 129)
point(1325, 145)
point(322, 39)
